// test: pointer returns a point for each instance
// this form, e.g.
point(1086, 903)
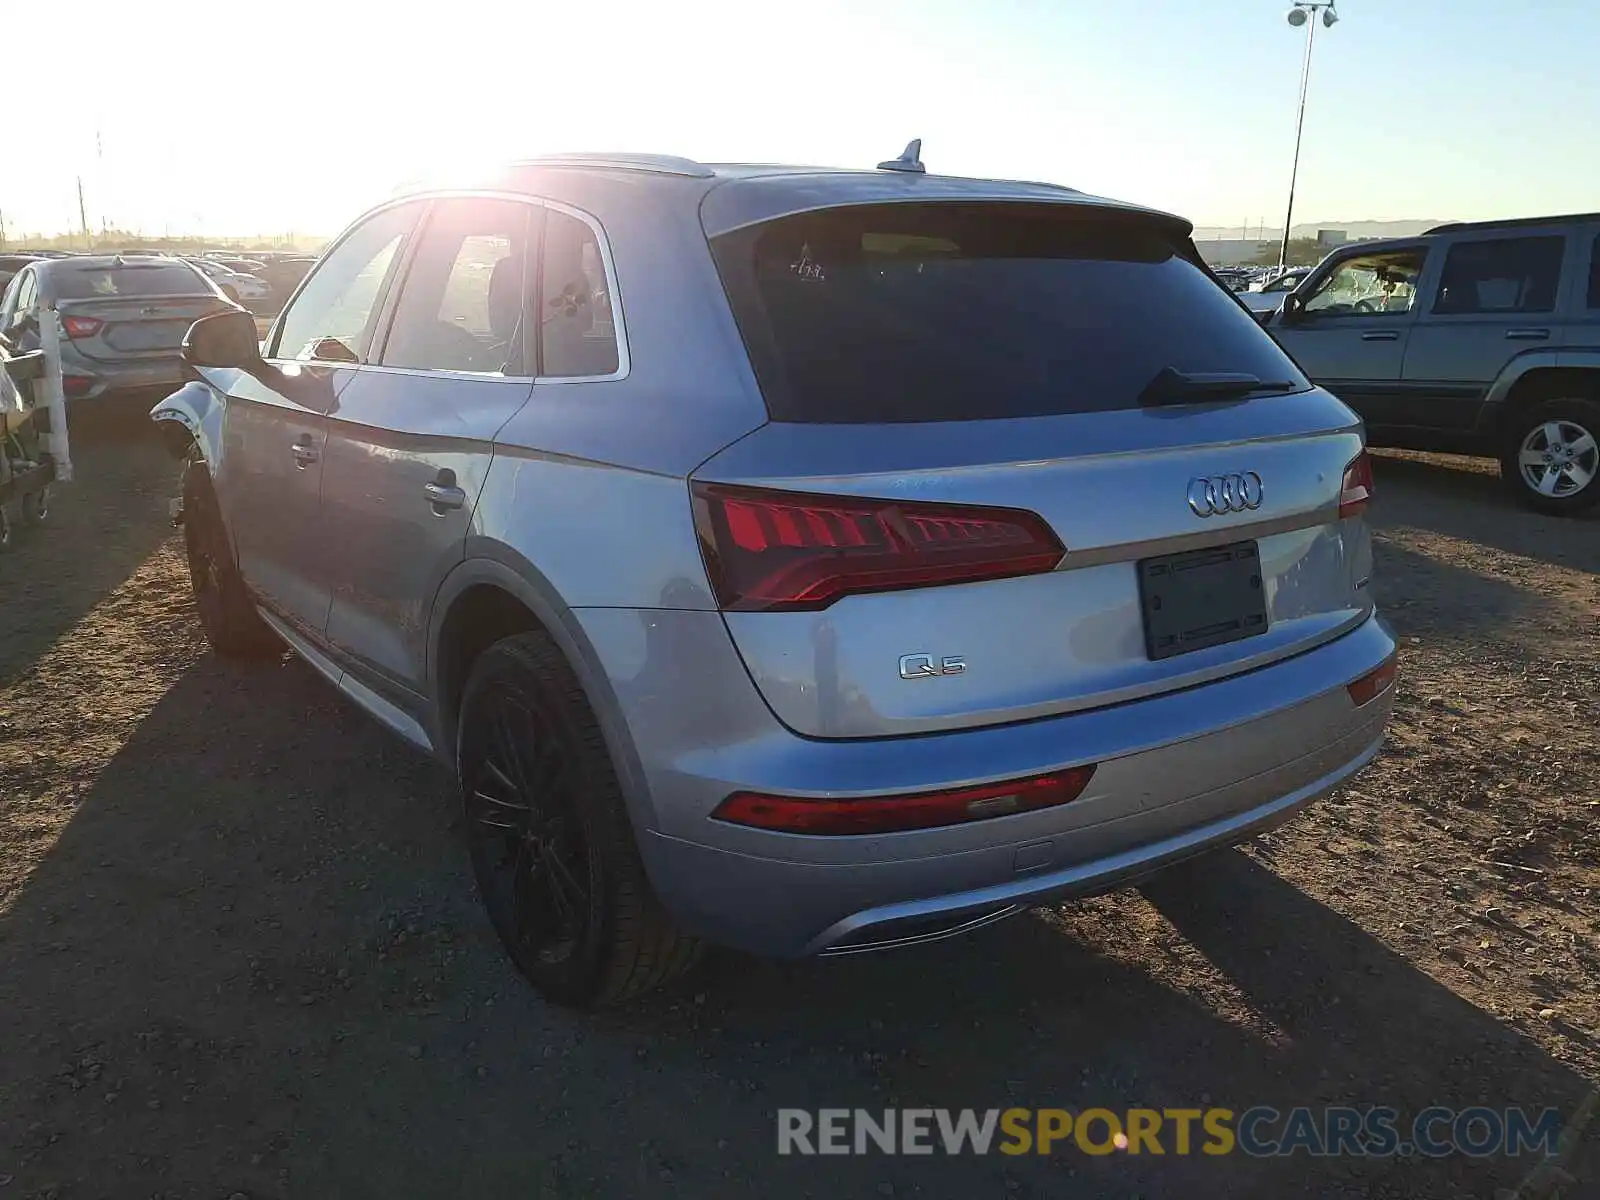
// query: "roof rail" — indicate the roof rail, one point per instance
point(658, 164)
point(1511, 222)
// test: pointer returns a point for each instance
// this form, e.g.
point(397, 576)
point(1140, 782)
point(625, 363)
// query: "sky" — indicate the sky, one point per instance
point(281, 116)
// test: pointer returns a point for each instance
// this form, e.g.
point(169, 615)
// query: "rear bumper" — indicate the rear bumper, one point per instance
point(1178, 774)
point(123, 375)
point(923, 920)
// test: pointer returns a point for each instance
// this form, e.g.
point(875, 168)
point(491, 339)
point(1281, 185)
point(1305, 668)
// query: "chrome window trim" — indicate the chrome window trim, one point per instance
point(618, 320)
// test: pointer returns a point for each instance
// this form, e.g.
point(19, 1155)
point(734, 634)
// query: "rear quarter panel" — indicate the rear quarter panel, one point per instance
point(588, 481)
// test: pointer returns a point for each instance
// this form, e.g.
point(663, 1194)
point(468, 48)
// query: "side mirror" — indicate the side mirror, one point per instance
point(1293, 309)
point(225, 339)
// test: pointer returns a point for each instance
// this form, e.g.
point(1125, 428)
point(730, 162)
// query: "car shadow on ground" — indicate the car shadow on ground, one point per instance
point(91, 541)
point(1421, 594)
point(1465, 499)
point(253, 962)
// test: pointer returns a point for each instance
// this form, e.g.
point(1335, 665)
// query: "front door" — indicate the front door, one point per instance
point(270, 477)
point(1351, 331)
point(411, 441)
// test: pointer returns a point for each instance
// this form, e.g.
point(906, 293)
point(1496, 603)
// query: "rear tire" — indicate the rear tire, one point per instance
point(553, 850)
point(1551, 456)
point(227, 614)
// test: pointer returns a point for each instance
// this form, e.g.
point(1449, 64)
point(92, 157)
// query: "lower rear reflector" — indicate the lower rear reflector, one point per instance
point(1374, 683)
point(891, 814)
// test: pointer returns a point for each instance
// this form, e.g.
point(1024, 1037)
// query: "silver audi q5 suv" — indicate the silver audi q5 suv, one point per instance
point(808, 561)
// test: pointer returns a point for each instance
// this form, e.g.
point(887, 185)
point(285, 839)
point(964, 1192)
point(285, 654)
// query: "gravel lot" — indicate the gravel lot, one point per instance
point(239, 953)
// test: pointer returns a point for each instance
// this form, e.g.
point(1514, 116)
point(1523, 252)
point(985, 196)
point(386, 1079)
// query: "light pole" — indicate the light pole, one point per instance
point(1304, 13)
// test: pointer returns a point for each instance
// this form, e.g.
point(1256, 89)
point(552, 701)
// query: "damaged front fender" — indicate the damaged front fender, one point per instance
point(190, 420)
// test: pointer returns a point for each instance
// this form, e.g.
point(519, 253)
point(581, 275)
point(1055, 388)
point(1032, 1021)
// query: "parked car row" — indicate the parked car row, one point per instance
point(261, 281)
point(122, 319)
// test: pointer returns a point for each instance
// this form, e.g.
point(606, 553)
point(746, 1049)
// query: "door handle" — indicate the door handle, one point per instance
point(304, 452)
point(1527, 335)
point(1381, 335)
point(443, 495)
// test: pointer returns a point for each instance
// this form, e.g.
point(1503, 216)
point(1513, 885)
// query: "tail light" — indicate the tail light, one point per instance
point(1356, 490)
point(75, 386)
point(1375, 682)
point(769, 550)
point(82, 327)
point(889, 814)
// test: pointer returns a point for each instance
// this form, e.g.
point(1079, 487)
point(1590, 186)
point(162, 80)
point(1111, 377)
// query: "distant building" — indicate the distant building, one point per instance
point(1235, 252)
point(1327, 239)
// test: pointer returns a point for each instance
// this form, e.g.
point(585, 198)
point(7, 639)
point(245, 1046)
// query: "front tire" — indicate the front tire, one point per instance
point(1551, 456)
point(227, 614)
point(552, 847)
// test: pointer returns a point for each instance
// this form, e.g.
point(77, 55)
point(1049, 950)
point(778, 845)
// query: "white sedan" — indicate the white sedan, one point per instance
point(1268, 297)
point(234, 284)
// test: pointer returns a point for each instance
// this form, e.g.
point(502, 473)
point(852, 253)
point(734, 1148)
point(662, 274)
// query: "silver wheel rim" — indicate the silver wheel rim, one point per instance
point(1558, 458)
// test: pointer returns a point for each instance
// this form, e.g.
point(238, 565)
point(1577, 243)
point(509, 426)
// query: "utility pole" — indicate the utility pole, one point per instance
point(83, 217)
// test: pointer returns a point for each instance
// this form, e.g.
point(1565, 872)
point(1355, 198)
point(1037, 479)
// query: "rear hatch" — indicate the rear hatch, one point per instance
point(1024, 459)
point(137, 309)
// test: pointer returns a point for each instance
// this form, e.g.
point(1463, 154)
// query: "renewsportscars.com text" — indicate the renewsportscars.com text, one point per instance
point(1261, 1131)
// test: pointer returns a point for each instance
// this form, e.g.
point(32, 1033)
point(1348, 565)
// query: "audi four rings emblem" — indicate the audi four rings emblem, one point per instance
point(1213, 494)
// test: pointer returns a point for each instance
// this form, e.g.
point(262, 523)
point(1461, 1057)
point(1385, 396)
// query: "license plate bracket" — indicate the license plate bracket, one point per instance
point(1201, 598)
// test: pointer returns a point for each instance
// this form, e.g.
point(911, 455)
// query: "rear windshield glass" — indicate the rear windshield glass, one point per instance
point(134, 279)
point(959, 311)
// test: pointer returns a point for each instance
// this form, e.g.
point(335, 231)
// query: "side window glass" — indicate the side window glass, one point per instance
point(577, 328)
point(1369, 285)
point(463, 304)
point(1594, 273)
point(18, 300)
point(1507, 275)
point(331, 318)
point(8, 302)
point(27, 291)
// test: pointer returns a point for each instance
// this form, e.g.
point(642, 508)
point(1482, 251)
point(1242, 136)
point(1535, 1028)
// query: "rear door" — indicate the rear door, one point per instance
point(1496, 296)
point(1353, 325)
point(411, 440)
point(276, 427)
point(984, 497)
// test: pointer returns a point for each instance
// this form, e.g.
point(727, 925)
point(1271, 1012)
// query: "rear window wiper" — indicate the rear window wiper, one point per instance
point(1171, 386)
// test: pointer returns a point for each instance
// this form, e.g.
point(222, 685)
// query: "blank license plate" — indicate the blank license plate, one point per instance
point(148, 335)
point(1201, 598)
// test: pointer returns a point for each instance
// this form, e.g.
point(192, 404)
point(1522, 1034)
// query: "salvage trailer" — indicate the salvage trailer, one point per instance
point(34, 450)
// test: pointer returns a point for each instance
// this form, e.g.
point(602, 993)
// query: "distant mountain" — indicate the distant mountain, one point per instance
point(1356, 229)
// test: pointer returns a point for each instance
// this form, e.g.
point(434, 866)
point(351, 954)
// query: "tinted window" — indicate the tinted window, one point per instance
point(462, 304)
point(1507, 275)
point(577, 329)
point(134, 279)
point(27, 290)
point(1368, 285)
point(939, 312)
point(1594, 274)
point(332, 316)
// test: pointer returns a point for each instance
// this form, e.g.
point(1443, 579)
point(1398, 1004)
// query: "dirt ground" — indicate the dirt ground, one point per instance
point(239, 955)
